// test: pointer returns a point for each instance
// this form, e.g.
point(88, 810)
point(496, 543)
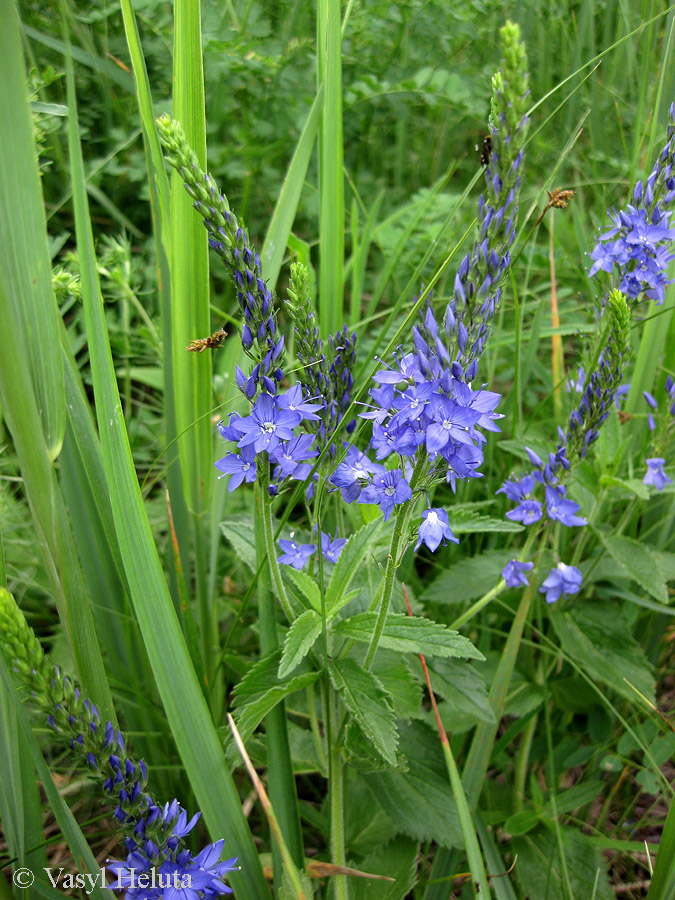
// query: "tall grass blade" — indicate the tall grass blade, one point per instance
point(188, 716)
point(331, 179)
point(190, 315)
point(26, 270)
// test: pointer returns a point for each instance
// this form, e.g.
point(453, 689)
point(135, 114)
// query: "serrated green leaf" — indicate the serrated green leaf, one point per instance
point(639, 562)
point(240, 534)
point(404, 689)
point(419, 800)
point(398, 860)
point(350, 561)
point(305, 587)
point(260, 691)
point(300, 638)
point(368, 702)
point(409, 634)
point(597, 637)
point(633, 485)
point(468, 579)
point(467, 521)
point(463, 687)
point(359, 752)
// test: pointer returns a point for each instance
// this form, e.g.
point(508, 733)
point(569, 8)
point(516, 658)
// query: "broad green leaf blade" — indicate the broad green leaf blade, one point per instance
point(398, 860)
point(540, 873)
point(468, 521)
point(350, 561)
point(463, 687)
point(239, 532)
point(190, 315)
point(299, 641)
point(366, 699)
point(636, 559)
point(404, 689)
point(597, 636)
point(409, 634)
point(468, 579)
point(187, 713)
point(304, 587)
point(261, 689)
point(419, 800)
point(26, 271)
point(76, 841)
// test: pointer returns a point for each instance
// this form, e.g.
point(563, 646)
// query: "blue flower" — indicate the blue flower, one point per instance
point(240, 466)
point(655, 474)
point(561, 580)
point(387, 489)
point(528, 512)
point(561, 509)
point(450, 422)
point(513, 573)
point(517, 489)
point(353, 473)
point(295, 555)
point(332, 549)
point(291, 457)
point(293, 400)
point(267, 425)
point(435, 528)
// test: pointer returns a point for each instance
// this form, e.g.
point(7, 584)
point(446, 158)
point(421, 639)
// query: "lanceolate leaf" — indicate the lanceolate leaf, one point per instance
point(299, 641)
point(410, 634)
point(637, 560)
point(368, 702)
point(261, 689)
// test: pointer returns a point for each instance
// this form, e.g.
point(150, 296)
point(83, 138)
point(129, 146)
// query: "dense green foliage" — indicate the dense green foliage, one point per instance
point(161, 593)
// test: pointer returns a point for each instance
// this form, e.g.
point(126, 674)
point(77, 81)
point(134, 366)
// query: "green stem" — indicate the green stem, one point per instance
point(495, 591)
point(400, 533)
point(522, 760)
point(282, 790)
point(268, 539)
point(337, 797)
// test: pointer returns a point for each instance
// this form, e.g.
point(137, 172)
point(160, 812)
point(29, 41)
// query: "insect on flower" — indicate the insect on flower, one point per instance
point(485, 150)
point(212, 342)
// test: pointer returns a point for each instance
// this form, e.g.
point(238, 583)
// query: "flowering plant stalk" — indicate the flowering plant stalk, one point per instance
point(154, 835)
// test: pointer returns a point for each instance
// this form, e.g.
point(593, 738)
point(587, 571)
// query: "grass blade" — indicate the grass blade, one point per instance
point(190, 315)
point(26, 269)
point(189, 719)
point(331, 179)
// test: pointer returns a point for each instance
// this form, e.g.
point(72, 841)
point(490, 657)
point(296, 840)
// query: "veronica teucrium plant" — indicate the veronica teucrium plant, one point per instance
point(157, 863)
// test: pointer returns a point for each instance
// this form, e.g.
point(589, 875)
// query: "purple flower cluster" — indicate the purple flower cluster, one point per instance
point(558, 506)
point(513, 573)
point(420, 411)
point(270, 428)
point(638, 248)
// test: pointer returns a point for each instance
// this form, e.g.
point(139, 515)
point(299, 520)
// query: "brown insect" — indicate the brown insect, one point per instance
point(212, 342)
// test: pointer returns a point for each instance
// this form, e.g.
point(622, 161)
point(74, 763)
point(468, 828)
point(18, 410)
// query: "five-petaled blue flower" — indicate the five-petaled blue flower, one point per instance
point(295, 555)
point(332, 549)
point(353, 473)
point(527, 512)
point(655, 474)
point(561, 580)
point(387, 489)
point(435, 528)
point(561, 509)
point(513, 573)
point(267, 425)
point(241, 466)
